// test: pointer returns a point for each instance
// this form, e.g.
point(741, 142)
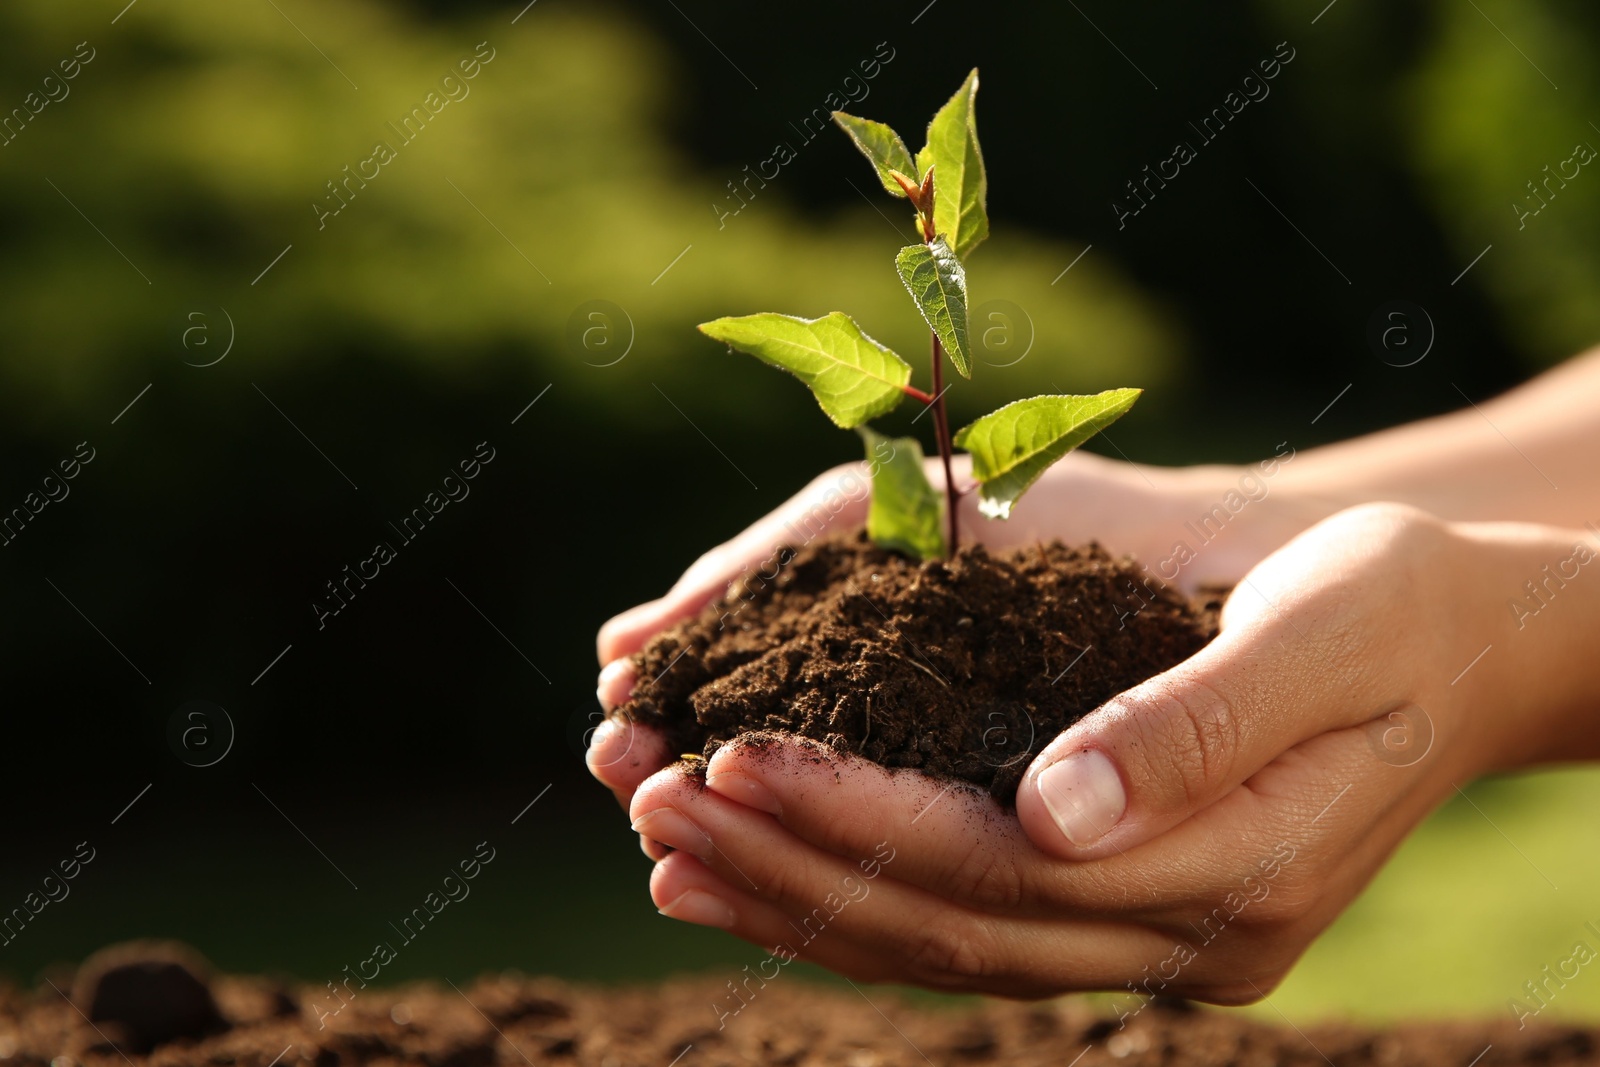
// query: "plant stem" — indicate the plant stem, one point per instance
point(941, 432)
point(941, 421)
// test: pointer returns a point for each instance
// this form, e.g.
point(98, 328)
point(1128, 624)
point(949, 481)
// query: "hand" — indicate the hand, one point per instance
point(1142, 511)
point(1192, 836)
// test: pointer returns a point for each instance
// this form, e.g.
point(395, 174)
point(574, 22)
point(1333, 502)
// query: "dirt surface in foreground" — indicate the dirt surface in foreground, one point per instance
point(521, 1022)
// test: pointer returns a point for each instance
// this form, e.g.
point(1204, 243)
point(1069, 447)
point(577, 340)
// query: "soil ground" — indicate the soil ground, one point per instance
point(960, 669)
point(523, 1022)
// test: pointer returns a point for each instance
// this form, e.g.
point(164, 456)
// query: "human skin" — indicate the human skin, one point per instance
point(1149, 840)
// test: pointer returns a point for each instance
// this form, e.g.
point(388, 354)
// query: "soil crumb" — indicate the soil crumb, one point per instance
point(961, 669)
point(516, 1021)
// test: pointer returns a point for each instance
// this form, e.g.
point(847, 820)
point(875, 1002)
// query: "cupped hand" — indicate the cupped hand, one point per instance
point(1190, 837)
point(1137, 510)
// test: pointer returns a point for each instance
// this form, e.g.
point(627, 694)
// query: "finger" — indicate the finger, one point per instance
point(626, 633)
point(835, 498)
point(623, 754)
point(683, 889)
point(615, 684)
point(923, 938)
point(1294, 660)
point(653, 849)
point(950, 838)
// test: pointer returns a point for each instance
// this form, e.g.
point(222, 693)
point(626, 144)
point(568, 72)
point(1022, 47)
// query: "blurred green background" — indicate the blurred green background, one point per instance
point(160, 210)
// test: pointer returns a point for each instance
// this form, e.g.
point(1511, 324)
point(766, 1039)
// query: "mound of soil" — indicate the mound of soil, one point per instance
point(520, 1022)
point(960, 668)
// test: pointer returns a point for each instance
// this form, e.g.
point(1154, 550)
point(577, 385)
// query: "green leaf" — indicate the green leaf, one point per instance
point(1013, 446)
point(961, 190)
point(882, 147)
point(938, 284)
point(907, 513)
point(853, 377)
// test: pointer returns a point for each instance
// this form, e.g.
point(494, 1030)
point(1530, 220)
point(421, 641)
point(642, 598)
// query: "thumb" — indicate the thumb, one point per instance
point(1166, 749)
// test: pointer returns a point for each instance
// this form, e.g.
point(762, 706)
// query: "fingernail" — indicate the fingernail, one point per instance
point(671, 827)
point(701, 908)
point(614, 683)
point(745, 790)
point(1084, 796)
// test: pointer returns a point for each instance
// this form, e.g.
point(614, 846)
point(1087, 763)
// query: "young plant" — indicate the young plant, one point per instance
point(856, 379)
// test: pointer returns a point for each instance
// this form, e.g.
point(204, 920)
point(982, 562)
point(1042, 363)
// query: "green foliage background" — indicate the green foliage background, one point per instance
point(583, 166)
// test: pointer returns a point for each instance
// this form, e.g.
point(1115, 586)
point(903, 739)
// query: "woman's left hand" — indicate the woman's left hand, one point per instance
point(1193, 835)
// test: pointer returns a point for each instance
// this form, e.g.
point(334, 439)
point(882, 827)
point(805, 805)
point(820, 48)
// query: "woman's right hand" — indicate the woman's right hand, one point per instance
point(1195, 833)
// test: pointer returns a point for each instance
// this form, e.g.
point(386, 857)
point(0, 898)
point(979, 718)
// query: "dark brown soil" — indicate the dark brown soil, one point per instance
point(960, 669)
point(520, 1022)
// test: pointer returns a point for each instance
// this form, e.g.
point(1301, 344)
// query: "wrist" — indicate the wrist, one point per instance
point(1259, 507)
point(1536, 593)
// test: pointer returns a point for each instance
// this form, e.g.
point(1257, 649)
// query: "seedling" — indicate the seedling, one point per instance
point(856, 379)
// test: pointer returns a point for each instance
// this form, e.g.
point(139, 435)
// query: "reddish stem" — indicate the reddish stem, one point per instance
point(941, 421)
point(941, 431)
point(916, 394)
